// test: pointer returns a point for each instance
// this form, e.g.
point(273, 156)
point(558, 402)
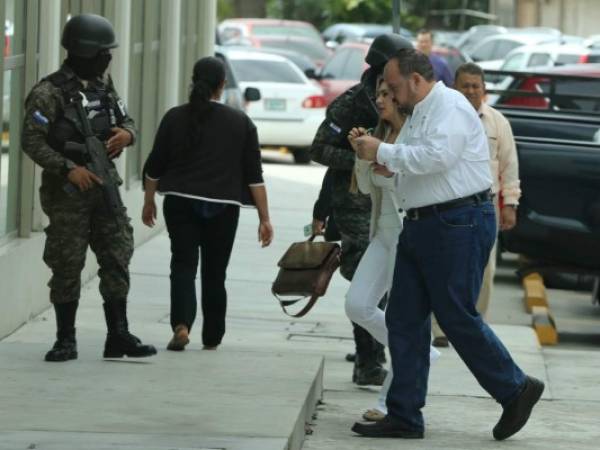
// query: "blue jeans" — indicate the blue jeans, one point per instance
point(439, 268)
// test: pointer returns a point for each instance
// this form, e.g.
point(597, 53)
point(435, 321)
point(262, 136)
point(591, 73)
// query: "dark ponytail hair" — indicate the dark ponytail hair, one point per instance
point(208, 76)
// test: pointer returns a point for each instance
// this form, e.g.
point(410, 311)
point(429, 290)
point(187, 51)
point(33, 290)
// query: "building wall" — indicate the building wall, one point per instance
point(159, 42)
point(577, 17)
point(505, 11)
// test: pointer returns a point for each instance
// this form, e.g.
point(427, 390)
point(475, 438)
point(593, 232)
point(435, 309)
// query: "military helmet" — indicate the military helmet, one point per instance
point(384, 47)
point(87, 34)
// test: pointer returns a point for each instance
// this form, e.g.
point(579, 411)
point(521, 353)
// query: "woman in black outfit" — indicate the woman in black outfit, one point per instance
point(206, 161)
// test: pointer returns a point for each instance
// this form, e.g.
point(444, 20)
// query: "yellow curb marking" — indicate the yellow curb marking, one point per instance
point(544, 325)
point(535, 292)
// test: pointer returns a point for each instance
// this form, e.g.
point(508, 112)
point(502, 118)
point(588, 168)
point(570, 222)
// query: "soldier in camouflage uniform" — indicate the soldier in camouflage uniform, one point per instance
point(79, 216)
point(351, 212)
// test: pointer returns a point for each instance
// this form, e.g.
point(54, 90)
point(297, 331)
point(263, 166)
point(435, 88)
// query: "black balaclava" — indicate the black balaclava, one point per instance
point(89, 68)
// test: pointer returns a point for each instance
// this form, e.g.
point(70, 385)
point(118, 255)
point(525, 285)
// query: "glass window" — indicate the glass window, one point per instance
point(314, 50)
point(335, 66)
point(281, 30)
point(593, 58)
point(539, 60)
point(265, 71)
point(567, 59)
point(484, 52)
point(514, 62)
point(578, 87)
point(354, 65)
point(504, 47)
point(134, 102)
point(232, 95)
point(230, 33)
point(144, 80)
point(189, 45)
point(13, 92)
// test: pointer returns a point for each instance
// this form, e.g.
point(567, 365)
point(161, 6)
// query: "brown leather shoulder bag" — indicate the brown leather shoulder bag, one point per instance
point(305, 270)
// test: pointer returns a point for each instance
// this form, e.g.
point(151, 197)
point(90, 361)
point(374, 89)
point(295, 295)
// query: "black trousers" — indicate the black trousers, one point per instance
point(196, 234)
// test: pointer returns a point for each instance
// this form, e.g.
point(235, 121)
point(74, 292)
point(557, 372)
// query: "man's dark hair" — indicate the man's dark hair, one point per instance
point(470, 69)
point(411, 61)
point(425, 31)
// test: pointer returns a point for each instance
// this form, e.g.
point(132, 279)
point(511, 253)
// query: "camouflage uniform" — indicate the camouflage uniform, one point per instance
point(351, 212)
point(79, 218)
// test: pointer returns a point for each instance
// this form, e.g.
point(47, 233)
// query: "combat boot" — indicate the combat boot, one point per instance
point(65, 347)
point(380, 352)
point(368, 373)
point(367, 370)
point(119, 341)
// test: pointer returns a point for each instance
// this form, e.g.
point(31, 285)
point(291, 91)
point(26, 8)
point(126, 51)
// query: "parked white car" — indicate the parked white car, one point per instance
point(291, 107)
point(549, 55)
point(529, 57)
point(490, 53)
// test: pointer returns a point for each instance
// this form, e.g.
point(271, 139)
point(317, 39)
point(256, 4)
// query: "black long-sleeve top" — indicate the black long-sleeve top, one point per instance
point(322, 208)
point(220, 167)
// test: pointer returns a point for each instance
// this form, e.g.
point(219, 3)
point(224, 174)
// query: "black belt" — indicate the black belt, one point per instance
point(424, 211)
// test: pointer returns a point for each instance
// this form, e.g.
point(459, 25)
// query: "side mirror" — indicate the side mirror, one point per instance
point(252, 94)
point(332, 45)
point(311, 73)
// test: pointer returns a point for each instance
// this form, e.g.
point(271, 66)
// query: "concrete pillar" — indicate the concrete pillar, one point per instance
point(528, 13)
point(51, 32)
point(170, 54)
point(49, 61)
point(119, 68)
point(120, 63)
point(207, 24)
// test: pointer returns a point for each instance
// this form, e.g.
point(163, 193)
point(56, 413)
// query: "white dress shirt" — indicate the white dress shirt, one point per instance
point(442, 152)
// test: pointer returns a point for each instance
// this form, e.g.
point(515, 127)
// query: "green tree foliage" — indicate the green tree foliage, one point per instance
point(225, 9)
point(321, 13)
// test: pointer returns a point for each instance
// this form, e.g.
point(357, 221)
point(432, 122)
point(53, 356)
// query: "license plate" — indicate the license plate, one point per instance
point(275, 104)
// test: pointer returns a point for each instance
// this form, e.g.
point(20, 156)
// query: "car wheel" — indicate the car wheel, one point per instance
point(301, 155)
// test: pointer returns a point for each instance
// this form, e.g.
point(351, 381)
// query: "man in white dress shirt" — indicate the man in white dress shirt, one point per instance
point(450, 227)
point(504, 164)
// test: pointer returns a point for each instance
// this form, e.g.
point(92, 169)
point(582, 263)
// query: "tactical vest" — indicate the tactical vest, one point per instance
point(102, 110)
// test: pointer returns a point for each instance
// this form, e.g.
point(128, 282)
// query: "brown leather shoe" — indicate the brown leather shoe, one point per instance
point(386, 428)
point(180, 339)
point(517, 412)
point(440, 341)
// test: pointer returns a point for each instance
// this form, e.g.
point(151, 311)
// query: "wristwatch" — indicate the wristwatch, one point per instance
point(68, 165)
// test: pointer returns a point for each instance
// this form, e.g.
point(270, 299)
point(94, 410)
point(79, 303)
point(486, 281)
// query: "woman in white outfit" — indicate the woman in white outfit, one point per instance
point(373, 277)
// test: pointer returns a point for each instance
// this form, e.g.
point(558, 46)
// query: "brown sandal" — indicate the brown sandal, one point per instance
point(180, 339)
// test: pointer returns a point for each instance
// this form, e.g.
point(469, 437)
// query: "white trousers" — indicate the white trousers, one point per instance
point(372, 280)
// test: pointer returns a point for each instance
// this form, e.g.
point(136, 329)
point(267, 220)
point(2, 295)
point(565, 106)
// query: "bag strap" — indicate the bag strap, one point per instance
point(303, 311)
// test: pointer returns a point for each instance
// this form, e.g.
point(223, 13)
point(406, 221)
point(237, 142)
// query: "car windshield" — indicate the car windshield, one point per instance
point(252, 70)
point(575, 94)
point(280, 30)
point(311, 49)
point(578, 87)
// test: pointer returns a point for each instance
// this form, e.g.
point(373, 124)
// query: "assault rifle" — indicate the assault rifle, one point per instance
point(98, 162)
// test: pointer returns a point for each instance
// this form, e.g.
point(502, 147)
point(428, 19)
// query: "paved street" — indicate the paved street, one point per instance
point(257, 390)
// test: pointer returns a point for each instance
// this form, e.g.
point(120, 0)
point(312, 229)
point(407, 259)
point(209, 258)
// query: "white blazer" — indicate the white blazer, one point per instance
point(364, 180)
